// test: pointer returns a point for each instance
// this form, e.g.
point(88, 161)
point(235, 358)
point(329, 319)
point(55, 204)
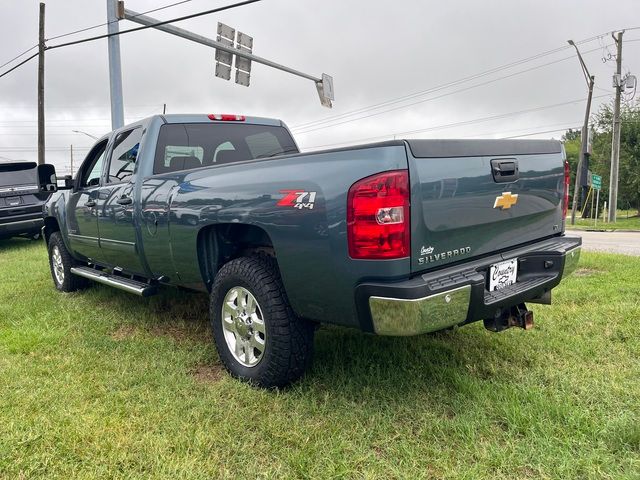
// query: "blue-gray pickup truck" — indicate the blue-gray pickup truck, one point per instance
point(402, 237)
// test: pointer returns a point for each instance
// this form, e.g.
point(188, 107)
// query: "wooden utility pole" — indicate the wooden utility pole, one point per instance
point(71, 160)
point(41, 87)
point(584, 139)
point(615, 145)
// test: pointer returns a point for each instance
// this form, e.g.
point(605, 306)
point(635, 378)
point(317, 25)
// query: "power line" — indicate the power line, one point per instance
point(331, 120)
point(135, 29)
point(541, 132)
point(158, 24)
point(447, 85)
point(439, 96)
point(19, 55)
point(560, 125)
point(18, 65)
point(462, 123)
point(107, 23)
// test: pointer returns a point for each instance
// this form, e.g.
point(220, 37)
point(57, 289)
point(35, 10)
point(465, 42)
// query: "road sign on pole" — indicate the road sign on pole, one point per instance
point(596, 182)
point(235, 44)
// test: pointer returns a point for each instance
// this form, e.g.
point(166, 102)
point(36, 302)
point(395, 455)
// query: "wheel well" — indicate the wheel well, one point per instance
point(221, 243)
point(50, 226)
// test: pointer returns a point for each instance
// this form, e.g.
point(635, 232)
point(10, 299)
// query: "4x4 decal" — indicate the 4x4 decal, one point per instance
point(297, 199)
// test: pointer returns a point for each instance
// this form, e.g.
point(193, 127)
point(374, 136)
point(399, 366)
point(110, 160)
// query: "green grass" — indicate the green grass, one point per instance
point(102, 384)
point(625, 220)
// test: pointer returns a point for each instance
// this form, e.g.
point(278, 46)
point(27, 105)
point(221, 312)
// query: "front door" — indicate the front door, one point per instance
point(116, 207)
point(82, 220)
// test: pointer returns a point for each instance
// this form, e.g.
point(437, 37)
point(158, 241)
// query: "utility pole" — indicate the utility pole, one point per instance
point(584, 140)
point(71, 151)
point(41, 86)
point(115, 71)
point(615, 146)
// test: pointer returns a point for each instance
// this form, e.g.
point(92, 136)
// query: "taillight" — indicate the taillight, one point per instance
point(565, 200)
point(378, 216)
point(227, 117)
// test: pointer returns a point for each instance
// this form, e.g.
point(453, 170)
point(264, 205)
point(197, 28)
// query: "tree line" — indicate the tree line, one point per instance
point(600, 160)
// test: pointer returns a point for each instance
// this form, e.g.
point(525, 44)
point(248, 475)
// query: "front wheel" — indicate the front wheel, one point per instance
point(60, 262)
point(258, 337)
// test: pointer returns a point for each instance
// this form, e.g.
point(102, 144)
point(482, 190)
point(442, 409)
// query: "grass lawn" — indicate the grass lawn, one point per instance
point(625, 220)
point(103, 384)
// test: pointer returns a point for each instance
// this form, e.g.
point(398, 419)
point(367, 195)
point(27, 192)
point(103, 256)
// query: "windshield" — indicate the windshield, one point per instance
point(17, 174)
point(194, 145)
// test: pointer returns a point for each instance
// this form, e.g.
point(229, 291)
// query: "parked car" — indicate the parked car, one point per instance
point(21, 200)
point(402, 237)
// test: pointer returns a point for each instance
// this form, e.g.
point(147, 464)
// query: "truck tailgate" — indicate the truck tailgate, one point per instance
point(474, 197)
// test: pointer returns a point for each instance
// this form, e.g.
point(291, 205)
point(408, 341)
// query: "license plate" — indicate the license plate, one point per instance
point(503, 274)
point(13, 201)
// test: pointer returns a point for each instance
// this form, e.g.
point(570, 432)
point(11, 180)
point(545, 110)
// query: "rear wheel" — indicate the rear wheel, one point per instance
point(258, 337)
point(60, 262)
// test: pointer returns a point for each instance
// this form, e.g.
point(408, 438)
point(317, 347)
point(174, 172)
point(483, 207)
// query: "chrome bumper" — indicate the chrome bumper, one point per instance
point(571, 261)
point(393, 316)
point(399, 314)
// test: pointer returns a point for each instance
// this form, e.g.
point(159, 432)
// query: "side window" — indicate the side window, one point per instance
point(264, 144)
point(93, 171)
point(124, 155)
point(178, 154)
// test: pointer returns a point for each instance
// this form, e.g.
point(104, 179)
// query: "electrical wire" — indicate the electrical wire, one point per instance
point(520, 72)
point(541, 132)
point(114, 21)
point(18, 65)
point(18, 56)
point(157, 24)
point(462, 123)
point(446, 85)
point(136, 29)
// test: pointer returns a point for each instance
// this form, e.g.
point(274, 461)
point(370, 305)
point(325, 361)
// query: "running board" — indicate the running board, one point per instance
point(126, 284)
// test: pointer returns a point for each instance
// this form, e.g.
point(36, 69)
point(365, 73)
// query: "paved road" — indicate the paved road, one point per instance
point(627, 243)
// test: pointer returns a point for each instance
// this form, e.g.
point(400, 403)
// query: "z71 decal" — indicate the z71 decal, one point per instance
point(297, 199)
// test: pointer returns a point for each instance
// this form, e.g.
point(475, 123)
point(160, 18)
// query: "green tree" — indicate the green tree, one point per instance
point(600, 160)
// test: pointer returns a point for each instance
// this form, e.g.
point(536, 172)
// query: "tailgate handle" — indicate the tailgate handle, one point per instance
point(504, 170)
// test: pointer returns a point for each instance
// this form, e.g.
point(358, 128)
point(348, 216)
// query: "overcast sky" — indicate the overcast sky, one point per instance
point(377, 51)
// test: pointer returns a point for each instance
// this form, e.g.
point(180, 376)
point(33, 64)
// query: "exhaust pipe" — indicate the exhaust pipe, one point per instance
point(518, 316)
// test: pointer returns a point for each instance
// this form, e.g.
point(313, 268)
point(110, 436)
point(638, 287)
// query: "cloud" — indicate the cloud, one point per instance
point(376, 51)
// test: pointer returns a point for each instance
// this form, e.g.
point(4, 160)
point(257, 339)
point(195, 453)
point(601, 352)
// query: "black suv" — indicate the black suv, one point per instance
point(21, 201)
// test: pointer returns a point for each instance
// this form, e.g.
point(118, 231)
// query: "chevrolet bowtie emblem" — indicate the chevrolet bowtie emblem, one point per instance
point(505, 201)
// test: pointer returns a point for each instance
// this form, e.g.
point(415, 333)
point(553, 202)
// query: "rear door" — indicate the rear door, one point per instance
point(115, 204)
point(475, 197)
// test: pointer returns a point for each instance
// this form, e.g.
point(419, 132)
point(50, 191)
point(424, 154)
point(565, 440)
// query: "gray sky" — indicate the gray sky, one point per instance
point(376, 51)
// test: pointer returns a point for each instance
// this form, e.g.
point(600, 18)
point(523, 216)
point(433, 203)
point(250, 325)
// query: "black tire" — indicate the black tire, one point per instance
point(288, 343)
point(63, 280)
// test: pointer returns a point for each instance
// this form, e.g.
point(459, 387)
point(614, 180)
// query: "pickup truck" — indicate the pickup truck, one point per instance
point(21, 200)
point(403, 237)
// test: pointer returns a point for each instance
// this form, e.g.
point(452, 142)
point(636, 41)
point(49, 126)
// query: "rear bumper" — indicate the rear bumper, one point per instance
point(10, 227)
point(458, 295)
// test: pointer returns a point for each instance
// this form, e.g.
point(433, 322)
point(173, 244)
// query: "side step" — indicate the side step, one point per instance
point(126, 284)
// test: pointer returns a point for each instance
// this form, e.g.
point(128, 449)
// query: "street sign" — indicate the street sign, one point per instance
point(224, 60)
point(325, 90)
point(596, 182)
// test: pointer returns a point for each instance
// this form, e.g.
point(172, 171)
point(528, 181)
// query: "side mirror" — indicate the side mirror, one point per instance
point(68, 182)
point(47, 180)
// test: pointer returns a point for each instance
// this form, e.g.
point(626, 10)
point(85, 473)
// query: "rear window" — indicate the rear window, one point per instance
point(16, 174)
point(193, 145)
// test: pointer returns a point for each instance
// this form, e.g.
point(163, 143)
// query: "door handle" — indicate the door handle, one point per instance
point(125, 200)
point(504, 170)
point(90, 203)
